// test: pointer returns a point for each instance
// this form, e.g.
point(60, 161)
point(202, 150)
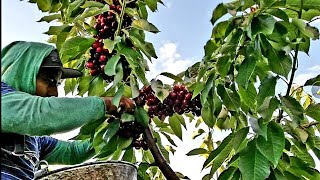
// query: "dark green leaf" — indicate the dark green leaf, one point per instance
point(207, 87)
point(279, 62)
point(248, 95)
point(218, 156)
point(223, 65)
point(278, 13)
point(175, 125)
point(313, 111)
point(50, 18)
point(262, 24)
point(55, 30)
point(172, 76)
point(252, 164)
point(128, 155)
point(272, 148)
point(199, 87)
point(293, 108)
point(227, 174)
point(169, 139)
point(218, 12)
point(230, 98)
point(110, 67)
point(266, 89)
point(239, 137)
point(134, 87)
point(141, 116)
point(197, 151)
point(247, 67)
point(111, 130)
point(145, 25)
point(207, 114)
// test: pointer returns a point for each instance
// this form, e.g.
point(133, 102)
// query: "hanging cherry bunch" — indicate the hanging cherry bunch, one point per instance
point(132, 129)
point(179, 101)
point(106, 27)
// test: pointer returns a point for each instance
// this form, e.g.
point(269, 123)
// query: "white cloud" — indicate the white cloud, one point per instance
point(169, 60)
point(315, 68)
point(302, 78)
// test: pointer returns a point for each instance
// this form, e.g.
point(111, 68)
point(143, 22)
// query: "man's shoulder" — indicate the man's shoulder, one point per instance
point(5, 88)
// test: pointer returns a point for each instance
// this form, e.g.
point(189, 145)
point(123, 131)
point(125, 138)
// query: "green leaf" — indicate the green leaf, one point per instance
point(223, 65)
point(181, 119)
point(44, 5)
point(111, 130)
point(218, 12)
point(313, 81)
point(262, 24)
point(301, 152)
point(169, 139)
point(239, 137)
point(313, 111)
point(272, 148)
point(117, 97)
point(230, 98)
point(293, 108)
point(74, 47)
point(137, 38)
point(207, 87)
point(227, 174)
point(159, 90)
point(141, 116)
point(83, 84)
point(172, 76)
point(175, 125)
point(198, 89)
point(269, 105)
point(207, 114)
point(279, 62)
point(55, 30)
point(128, 155)
point(247, 67)
point(109, 44)
point(152, 4)
point(218, 156)
point(197, 151)
point(248, 95)
point(110, 67)
point(145, 25)
point(266, 89)
point(50, 18)
point(278, 13)
point(134, 87)
point(96, 87)
point(142, 10)
point(252, 164)
point(123, 142)
point(259, 127)
point(125, 117)
point(92, 4)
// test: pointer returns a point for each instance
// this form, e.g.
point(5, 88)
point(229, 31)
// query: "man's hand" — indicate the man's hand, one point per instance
point(126, 105)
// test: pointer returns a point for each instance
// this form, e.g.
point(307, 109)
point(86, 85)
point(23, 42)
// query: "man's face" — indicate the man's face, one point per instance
point(47, 81)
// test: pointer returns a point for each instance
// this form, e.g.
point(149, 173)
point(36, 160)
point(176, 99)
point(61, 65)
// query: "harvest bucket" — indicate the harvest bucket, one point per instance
point(101, 170)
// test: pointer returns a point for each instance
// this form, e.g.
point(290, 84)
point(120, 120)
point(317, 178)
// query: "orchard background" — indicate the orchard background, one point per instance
point(245, 78)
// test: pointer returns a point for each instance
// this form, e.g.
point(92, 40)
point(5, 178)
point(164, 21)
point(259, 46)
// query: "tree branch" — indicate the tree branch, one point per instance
point(158, 157)
point(294, 65)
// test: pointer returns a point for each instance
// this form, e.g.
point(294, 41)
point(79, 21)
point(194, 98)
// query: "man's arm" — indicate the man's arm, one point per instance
point(63, 152)
point(26, 114)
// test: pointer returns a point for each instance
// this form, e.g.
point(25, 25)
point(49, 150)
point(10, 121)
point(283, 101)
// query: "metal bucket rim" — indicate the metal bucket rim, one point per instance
point(88, 164)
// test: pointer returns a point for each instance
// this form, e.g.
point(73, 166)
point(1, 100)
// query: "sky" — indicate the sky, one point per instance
point(184, 29)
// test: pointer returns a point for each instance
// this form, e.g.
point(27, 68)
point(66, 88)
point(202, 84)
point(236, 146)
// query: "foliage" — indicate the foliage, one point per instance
point(249, 52)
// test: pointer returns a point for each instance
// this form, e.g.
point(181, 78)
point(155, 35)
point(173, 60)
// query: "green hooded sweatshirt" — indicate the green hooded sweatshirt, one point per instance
point(22, 112)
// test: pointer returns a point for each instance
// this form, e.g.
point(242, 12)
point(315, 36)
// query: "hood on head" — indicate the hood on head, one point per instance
point(20, 63)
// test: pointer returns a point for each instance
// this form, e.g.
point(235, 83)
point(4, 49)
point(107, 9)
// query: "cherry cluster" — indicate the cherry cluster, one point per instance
point(106, 26)
point(132, 129)
point(179, 101)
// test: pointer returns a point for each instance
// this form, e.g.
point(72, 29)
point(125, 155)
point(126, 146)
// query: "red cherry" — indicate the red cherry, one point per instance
point(102, 58)
point(99, 50)
point(95, 45)
point(173, 95)
point(176, 88)
point(112, 6)
point(93, 72)
point(90, 65)
point(188, 96)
